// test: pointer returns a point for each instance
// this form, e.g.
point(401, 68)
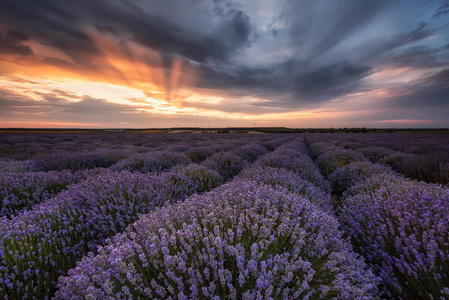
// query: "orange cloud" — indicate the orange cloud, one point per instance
point(122, 62)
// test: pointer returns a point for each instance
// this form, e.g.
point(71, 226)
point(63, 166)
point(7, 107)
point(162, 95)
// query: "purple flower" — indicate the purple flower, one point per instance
point(219, 264)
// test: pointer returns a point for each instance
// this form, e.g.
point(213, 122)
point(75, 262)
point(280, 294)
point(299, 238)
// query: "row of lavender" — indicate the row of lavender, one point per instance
point(400, 226)
point(26, 183)
point(105, 154)
point(39, 245)
point(20, 191)
point(30, 146)
point(268, 234)
point(417, 156)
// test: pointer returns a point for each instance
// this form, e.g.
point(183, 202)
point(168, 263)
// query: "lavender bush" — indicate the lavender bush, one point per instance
point(272, 144)
point(317, 148)
point(17, 166)
point(272, 232)
point(225, 163)
point(153, 162)
point(298, 145)
point(199, 154)
point(243, 241)
point(184, 181)
point(297, 162)
point(399, 226)
point(374, 154)
point(39, 245)
point(348, 176)
point(333, 159)
point(20, 191)
point(250, 152)
point(417, 156)
point(384, 184)
point(417, 167)
point(78, 161)
point(444, 174)
point(49, 239)
point(291, 181)
point(403, 233)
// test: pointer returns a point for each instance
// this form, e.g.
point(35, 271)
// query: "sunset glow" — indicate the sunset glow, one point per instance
point(110, 63)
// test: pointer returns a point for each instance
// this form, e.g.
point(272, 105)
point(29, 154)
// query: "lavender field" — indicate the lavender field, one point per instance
point(224, 216)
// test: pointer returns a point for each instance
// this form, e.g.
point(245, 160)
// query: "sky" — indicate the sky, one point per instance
point(224, 63)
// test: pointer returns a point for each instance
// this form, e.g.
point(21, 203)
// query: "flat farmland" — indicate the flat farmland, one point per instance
point(114, 215)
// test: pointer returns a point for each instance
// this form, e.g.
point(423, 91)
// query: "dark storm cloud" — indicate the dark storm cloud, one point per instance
point(304, 54)
point(50, 23)
point(383, 50)
point(303, 85)
point(157, 33)
point(11, 43)
point(420, 57)
point(60, 24)
point(430, 91)
point(320, 68)
point(323, 27)
point(331, 81)
point(63, 24)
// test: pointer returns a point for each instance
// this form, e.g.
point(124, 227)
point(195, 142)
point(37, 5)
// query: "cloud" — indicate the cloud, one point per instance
point(10, 100)
point(331, 81)
point(442, 10)
point(56, 108)
point(428, 92)
point(60, 104)
point(92, 106)
point(294, 55)
point(317, 28)
point(63, 25)
point(11, 42)
point(419, 57)
point(290, 85)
